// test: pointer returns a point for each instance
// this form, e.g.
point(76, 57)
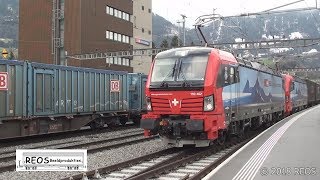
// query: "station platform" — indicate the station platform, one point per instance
point(289, 150)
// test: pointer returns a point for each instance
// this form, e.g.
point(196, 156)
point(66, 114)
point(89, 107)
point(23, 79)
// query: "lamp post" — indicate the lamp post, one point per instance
point(184, 28)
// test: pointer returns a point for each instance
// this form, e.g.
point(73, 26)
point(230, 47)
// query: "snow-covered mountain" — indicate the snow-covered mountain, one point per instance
point(8, 23)
point(294, 25)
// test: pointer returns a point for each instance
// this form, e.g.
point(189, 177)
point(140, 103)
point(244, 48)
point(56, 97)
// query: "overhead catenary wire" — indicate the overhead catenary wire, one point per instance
point(278, 7)
point(316, 20)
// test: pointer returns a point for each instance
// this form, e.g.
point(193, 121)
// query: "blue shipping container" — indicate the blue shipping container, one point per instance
point(41, 98)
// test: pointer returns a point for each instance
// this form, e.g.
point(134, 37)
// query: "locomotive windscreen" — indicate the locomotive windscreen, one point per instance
point(192, 68)
point(188, 70)
point(163, 70)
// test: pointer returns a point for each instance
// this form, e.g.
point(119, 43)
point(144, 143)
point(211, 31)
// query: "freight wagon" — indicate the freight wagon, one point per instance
point(137, 97)
point(41, 98)
point(313, 92)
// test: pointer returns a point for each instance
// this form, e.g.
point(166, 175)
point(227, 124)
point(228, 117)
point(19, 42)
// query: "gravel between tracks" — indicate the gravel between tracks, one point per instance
point(84, 147)
point(84, 138)
point(97, 160)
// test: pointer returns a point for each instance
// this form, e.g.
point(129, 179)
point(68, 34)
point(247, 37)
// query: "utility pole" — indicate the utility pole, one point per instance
point(184, 29)
point(178, 32)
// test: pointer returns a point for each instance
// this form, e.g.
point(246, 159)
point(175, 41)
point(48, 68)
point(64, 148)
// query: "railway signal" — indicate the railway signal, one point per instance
point(5, 53)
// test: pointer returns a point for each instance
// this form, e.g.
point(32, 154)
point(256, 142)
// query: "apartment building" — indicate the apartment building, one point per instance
point(142, 34)
point(51, 31)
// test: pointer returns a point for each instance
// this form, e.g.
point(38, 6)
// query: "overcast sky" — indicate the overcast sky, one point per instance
point(171, 9)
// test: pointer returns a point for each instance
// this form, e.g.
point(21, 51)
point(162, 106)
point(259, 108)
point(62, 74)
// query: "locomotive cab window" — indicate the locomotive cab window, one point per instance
point(230, 75)
point(233, 75)
point(292, 86)
point(226, 76)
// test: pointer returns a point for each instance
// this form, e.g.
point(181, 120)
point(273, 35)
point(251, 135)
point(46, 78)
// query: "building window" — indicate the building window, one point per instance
point(118, 61)
point(117, 13)
point(111, 11)
point(108, 10)
point(142, 30)
point(123, 38)
point(142, 8)
point(109, 60)
point(115, 37)
point(126, 62)
point(149, 32)
point(149, 10)
point(107, 35)
point(123, 15)
point(119, 37)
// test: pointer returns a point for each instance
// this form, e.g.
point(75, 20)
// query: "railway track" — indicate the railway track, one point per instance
point(9, 142)
point(165, 154)
point(90, 150)
point(187, 163)
point(192, 166)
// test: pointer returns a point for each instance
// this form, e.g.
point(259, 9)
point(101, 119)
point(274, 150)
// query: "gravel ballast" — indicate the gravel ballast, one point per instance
point(85, 138)
point(95, 161)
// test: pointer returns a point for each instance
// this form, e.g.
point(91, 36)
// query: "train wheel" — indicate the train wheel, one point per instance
point(136, 120)
point(242, 132)
point(222, 138)
point(111, 124)
point(97, 124)
point(123, 120)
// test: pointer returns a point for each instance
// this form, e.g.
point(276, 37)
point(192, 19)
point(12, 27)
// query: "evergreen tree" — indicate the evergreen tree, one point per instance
point(11, 55)
point(175, 41)
point(164, 44)
point(153, 47)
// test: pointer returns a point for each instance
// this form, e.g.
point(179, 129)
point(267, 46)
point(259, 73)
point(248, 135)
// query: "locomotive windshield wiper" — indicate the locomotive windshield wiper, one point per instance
point(185, 82)
point(171, 73)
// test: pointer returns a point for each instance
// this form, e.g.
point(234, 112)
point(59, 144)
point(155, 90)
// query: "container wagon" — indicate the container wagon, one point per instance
point(312, 91)
point(137, 96)
point(40, 98)
point(317, 93)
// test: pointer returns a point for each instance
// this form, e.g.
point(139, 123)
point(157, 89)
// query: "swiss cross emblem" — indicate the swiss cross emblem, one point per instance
point(175, 102)
point(115, 86)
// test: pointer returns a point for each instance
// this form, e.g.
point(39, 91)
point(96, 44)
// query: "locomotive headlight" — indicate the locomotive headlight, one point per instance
point(149, 107)
point(208, 103)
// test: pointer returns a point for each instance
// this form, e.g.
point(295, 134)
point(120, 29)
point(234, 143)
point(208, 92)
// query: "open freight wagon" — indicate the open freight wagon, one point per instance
point(41, 98)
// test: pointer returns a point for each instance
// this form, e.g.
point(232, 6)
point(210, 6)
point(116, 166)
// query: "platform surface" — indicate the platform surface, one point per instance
point(289, 150)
